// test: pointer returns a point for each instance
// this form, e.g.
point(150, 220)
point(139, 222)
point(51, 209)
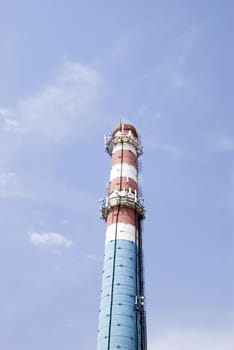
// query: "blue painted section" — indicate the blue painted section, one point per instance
point(123, 318)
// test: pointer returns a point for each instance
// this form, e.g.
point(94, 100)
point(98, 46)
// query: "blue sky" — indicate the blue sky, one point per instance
point(69, 70)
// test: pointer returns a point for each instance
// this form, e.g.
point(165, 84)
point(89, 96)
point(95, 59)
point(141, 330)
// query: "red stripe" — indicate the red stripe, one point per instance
point(126, 215)
point(125, 156)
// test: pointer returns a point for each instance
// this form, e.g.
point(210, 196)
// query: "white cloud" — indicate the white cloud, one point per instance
point(7, 183)
point(178, 78)
point(192, 339)
point(153, 143)
point(92, 257)
point(63, 222)
point(49, 239)
point(171, 71)
point(67, 105)
point(225, 144)
point(219, 142)
point(123, 47)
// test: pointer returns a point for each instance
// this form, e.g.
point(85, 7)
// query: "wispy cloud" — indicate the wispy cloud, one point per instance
point(7, 183)
point(220, 142)
point(225, 144)
point(92, 257)
point(154, 143)
point(50, 239)
point(192, 340)
point(171, 72)
point(66, 105)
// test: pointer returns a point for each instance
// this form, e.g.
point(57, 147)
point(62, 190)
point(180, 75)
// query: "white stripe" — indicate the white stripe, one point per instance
point(126, 147)
point(124, 231)
point(126, 171)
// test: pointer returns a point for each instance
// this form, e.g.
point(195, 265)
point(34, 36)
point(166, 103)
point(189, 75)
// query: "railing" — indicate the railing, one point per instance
point(110, 141)
point(107, 203)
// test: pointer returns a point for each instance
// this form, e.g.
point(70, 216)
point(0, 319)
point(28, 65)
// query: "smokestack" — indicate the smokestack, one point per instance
point(122, 322)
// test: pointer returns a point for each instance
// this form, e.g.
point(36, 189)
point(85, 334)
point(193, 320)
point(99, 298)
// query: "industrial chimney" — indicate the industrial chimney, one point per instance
point(122, 321)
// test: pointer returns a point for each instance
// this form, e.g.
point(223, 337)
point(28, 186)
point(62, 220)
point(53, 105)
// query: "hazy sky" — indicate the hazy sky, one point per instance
point(68, 71)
